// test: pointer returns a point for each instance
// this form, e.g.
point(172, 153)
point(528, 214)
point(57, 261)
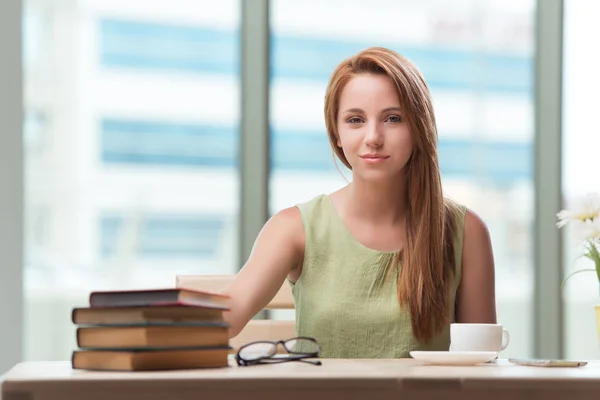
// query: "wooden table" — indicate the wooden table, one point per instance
point(335, 379)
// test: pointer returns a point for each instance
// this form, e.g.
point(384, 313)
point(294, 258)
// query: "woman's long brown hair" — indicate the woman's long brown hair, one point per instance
point(428, 264)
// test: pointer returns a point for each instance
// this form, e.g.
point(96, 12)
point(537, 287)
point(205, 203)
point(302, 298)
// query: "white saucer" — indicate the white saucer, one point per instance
point(454, 357)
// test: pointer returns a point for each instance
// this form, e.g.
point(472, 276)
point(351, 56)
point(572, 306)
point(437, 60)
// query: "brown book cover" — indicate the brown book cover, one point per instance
point(153, 297)
point(141, 314)
point(175, 335)
point(150, 359)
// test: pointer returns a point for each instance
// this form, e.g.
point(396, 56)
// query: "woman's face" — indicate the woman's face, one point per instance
point(373, 134)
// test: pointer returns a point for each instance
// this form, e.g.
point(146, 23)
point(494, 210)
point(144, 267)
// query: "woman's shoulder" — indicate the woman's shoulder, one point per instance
point(313, 208)
point(454, 206)
point(293, 219)
point(312, 201)
point(456, 212)
point(285, 224)
point(468, 220)
point(474, 225)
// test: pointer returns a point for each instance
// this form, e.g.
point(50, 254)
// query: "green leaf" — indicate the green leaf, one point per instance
point(594, 255)
point(575, 273)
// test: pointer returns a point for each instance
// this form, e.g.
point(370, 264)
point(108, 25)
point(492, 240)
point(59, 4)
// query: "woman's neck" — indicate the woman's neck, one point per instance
point(377, 202)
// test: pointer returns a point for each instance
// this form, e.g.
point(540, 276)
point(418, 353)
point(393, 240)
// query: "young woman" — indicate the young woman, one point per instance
point(384, 265)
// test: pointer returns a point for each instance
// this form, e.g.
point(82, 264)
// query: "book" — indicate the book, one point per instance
point(141, 314)
point(175, 335)
point(150, 359)
point(154, 297)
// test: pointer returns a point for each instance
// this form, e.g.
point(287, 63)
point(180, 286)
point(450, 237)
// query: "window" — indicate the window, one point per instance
point(160, 143)
point(163, 236)
point(166, 46)
point(35, 129)
point(140, 100)
point(581, 141)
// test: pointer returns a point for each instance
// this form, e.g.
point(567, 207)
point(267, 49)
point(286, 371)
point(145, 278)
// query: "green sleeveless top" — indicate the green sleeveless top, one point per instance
point(345, 298)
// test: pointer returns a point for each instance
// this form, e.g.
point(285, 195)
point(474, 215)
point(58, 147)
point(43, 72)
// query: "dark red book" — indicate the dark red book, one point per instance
point(158, 297)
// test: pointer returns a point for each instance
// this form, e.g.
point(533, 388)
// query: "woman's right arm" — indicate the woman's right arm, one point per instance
point(277, 251)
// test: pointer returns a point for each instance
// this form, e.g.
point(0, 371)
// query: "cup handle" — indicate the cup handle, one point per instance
point(505, 339)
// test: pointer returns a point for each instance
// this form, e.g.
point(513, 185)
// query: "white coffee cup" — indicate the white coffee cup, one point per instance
point(478, 337)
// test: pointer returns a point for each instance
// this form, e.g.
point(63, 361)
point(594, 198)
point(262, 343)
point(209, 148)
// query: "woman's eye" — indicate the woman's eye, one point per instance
point(354, 120)
point(394, 118)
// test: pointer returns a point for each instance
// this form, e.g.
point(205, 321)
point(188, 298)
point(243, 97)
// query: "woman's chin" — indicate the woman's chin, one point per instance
point(376, 176)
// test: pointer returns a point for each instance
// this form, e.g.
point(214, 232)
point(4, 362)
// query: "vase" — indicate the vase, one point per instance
point(598, 319)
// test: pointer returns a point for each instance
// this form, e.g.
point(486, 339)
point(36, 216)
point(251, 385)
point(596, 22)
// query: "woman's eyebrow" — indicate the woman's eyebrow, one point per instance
point(358, 110)
point(390, 109)
point(354, 110)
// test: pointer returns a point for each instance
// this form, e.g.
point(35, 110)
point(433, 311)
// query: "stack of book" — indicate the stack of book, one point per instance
point(163, 329)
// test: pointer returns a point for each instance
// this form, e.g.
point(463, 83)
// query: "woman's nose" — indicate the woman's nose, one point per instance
point(373, 137)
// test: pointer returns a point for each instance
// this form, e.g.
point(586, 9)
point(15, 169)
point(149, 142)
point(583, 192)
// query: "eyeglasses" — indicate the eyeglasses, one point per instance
point(265, 352)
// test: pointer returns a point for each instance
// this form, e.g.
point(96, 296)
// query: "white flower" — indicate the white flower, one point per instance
point(585, 219)
point(587, 230)
point(587, 211)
